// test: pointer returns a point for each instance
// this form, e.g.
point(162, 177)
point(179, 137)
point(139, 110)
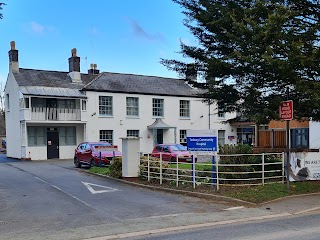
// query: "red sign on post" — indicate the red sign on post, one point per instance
point(286, 110)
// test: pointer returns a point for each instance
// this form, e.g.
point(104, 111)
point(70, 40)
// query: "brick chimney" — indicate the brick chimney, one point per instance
point(13, 58)
point(93, 69)
point(74, 66)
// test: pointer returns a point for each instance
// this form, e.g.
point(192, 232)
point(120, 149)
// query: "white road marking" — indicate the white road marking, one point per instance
point(106, 189)
point(54, 186)
point(234, 208)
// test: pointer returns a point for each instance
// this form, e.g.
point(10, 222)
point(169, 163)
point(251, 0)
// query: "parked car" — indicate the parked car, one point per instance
point(170, 152)
point(88, 153)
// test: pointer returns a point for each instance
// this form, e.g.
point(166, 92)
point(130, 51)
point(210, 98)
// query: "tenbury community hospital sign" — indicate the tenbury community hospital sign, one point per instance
point(204, 141)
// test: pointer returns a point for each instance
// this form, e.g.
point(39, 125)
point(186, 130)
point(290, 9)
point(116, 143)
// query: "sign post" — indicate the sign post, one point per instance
point(203, 142)
point(286, 113)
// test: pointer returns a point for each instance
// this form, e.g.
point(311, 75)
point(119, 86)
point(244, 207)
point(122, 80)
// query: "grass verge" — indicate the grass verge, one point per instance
point(102, 170)
point(268, 192)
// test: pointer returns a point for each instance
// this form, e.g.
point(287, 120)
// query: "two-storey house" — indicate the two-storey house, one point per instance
point(48, 113)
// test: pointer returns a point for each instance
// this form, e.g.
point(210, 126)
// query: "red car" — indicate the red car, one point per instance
point(170, 152)
point(88, 153)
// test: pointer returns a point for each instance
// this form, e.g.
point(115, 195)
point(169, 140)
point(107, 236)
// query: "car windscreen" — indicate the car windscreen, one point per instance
point(178, 148)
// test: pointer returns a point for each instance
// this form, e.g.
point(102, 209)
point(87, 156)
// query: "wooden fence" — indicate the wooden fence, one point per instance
point(272, 138)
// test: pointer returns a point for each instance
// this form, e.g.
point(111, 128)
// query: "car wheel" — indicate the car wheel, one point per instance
point(77, 162)
point(92, 163)
point(173, 159)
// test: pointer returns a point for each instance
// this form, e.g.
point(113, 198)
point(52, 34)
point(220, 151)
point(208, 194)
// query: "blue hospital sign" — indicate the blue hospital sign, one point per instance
point(202, 140)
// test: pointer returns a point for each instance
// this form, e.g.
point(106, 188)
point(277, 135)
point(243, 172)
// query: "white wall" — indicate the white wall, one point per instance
point(12, 118)
point(314, 135)
point(120, 123)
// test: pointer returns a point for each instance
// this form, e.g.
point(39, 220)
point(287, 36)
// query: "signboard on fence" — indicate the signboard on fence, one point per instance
point(304, 166)
point(202, 142)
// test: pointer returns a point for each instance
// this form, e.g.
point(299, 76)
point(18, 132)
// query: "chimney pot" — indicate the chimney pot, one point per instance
point(93, 69)
point(13, 45)
point(73, 52)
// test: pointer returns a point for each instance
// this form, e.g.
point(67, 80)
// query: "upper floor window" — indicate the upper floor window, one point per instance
point(132, 133)
point(24, 102)
point(184, 108)
point(84, 105)
point(106, 136)
point(7, 102)
point(221, 113)
point(67, 103)
point(157, 107)
point(105, 105)
point(132, 106)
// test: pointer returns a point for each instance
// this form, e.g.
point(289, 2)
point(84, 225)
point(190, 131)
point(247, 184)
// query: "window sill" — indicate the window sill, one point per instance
point(155, 117)
point(184, 118)
point(102, 116)
point(133, 117)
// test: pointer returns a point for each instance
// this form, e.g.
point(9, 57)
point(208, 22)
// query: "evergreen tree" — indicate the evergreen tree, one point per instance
point(250, 52)
point(1, 4)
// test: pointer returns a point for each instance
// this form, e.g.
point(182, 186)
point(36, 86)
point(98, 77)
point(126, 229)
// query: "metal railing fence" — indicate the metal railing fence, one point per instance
point(235, 169)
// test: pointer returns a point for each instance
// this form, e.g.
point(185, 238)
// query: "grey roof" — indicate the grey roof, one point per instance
point(159, 124)
point(51, 91)
point(130, 83)
point(106, 82)
point(32, 77)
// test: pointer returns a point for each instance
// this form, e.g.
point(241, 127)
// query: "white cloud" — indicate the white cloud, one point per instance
point(37, 27)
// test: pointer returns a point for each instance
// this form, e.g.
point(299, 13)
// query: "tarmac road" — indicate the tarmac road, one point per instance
point(54, 200)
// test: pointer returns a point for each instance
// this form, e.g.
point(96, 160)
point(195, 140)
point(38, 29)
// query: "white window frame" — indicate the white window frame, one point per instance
point(133, 133)
point(84, 105)
point(106, 136)
point(105, 106)
point(221, 113)
point(184, 109)
point(221, 139)
point(157, 107)
point(132, 106)
point(183, 137)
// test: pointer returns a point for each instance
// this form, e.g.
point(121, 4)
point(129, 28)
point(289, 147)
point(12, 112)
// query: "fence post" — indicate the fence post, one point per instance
point(213, 171)
point(193, 173)
point(262, 169)
point(148, 167)
point(177, 184)
point(217, 172)
point(100, 159)
point(160, 168)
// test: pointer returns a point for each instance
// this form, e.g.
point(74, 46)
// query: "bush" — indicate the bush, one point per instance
point(154, 166)
point(116, 168)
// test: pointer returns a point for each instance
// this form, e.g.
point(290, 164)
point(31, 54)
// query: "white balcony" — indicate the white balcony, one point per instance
point(55, 114)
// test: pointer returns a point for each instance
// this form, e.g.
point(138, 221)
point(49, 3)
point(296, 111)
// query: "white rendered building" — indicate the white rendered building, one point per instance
point(48, 113)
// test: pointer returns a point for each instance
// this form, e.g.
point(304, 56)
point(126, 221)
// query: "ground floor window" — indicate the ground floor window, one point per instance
point(67, 136)
point(106, 136)
point(300, 138)
point(132, 133)
point(36, 136)
point(183, 137)
point(245, 135)
point(221, 137)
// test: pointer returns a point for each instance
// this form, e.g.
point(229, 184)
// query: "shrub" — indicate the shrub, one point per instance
point(154, 166)
point(116, 168)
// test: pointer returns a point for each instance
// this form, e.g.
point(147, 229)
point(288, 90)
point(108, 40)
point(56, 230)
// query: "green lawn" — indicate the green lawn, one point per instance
point(205, 166)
